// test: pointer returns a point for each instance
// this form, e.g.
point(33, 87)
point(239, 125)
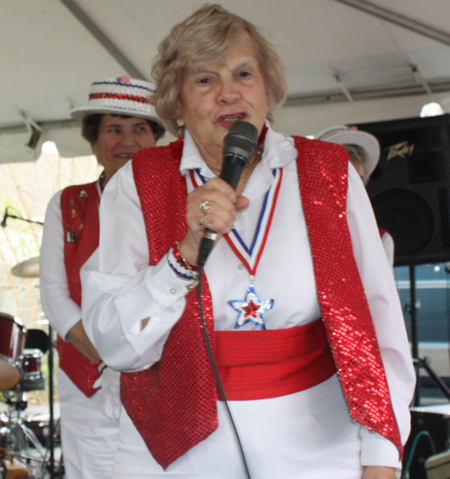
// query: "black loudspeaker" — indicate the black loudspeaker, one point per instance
point(409, 189)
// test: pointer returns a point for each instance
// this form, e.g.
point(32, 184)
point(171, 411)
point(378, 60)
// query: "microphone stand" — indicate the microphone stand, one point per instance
point(7, 215)
point(51, 410)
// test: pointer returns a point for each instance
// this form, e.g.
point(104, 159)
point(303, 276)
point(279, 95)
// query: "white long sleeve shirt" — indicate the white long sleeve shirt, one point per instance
point(59, 307)
point(120, 288)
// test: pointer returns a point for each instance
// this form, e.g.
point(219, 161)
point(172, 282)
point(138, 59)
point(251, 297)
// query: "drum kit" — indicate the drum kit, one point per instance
point(22, 454)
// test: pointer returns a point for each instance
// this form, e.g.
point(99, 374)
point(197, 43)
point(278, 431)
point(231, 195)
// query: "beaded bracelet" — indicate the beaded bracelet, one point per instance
point(181, 267)
point(101, 366)
point(181, 260)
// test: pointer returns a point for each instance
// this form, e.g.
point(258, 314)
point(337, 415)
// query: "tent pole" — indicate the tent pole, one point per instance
point(401, 20)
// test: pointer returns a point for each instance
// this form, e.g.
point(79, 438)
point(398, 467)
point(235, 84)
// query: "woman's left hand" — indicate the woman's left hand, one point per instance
point(379, 472)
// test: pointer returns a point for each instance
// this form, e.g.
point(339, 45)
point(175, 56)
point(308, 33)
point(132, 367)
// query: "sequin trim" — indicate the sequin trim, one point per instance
point(121, 96)
point(323, 178)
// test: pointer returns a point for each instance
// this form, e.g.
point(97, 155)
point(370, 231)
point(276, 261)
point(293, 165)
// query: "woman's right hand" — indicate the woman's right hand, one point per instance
point(223, 207)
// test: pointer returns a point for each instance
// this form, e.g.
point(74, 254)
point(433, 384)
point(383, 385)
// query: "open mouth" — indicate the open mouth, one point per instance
point(233, 118)
point(125, 156)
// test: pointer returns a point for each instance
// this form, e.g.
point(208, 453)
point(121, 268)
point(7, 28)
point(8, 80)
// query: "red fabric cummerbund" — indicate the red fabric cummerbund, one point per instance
point(272, 363)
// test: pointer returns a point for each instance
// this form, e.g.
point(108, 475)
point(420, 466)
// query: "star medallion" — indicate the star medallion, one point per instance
point(251, 309)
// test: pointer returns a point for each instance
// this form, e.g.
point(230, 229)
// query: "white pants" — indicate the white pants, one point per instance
point(307, 435)
point(89, 438)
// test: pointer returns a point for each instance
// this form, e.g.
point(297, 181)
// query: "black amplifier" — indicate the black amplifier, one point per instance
point(435, 420)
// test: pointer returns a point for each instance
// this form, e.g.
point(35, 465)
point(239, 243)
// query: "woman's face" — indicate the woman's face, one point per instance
point(119, 139)
point(214, 96)
point(359, 168)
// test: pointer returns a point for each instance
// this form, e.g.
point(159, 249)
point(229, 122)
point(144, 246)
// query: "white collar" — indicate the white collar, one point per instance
point(279, 150)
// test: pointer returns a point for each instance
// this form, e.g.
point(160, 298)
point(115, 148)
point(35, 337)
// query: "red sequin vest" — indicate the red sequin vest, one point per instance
point(79, 208)
point(173, 403)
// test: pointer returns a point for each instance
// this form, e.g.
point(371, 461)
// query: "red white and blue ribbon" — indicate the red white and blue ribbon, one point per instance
point(251, 254)
point(251, 309)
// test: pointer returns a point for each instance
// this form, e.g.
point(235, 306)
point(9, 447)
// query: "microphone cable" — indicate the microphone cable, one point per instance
point(239, 146)
point(215, 369)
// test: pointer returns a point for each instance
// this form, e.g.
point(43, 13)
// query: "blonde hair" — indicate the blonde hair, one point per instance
point(208, 35)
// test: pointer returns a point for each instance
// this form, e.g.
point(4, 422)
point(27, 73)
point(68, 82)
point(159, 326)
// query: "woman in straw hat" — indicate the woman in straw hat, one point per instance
point(298, 300)
point(119, 120)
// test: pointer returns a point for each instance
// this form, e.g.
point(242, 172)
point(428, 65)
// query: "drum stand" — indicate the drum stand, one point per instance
point(19, 441)
point(38, 339)
point(18, 436)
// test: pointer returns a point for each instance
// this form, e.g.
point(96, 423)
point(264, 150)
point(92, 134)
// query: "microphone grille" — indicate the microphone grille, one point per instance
point(242, 135)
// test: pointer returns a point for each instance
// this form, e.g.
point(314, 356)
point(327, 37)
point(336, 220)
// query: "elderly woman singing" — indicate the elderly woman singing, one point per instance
point(297, 297)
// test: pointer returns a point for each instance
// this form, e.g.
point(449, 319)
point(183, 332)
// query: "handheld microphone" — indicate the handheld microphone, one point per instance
point(5, 217)
point(239, 146)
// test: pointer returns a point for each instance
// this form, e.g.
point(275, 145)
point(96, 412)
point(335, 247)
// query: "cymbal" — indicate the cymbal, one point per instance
point(27, 269)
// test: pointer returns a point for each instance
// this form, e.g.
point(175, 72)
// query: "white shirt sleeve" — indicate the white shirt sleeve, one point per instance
point(60, 309)
point(120, 289)
point(382, 296)
point(389, 247)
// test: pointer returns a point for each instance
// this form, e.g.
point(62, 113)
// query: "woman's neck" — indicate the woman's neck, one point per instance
point(215, 162)
point(247, 172)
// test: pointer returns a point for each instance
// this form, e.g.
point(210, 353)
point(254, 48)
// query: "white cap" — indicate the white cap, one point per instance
point(350, 135)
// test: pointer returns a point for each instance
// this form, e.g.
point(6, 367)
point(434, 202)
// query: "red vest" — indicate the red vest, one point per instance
point(79, 207)
point(173, 403)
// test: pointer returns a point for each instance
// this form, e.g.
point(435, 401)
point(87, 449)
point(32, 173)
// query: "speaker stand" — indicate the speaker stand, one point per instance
point(419, 362)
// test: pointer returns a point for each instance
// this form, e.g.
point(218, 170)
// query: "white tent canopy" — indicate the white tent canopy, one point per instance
point(347, 61)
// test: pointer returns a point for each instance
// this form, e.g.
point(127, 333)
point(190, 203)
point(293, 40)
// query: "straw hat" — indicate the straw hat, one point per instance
point(119, 96)
point(350, 135)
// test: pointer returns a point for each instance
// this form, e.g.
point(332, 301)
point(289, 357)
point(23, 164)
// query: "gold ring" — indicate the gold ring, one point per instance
point(204, 207)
